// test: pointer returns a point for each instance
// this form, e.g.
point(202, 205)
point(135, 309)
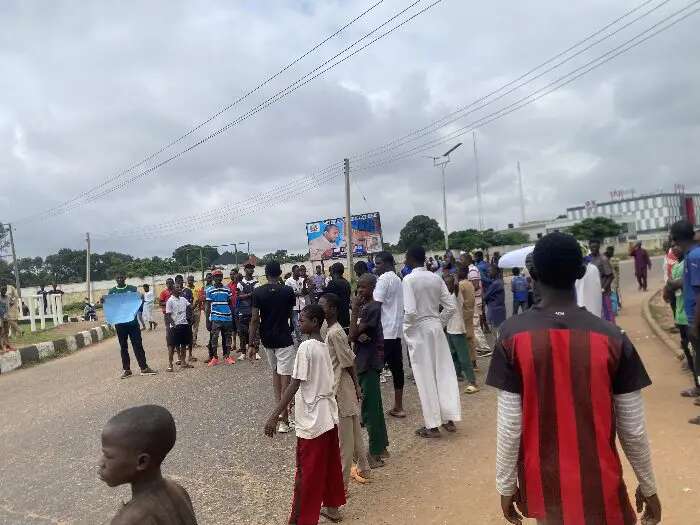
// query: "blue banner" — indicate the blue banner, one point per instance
point(121, 307)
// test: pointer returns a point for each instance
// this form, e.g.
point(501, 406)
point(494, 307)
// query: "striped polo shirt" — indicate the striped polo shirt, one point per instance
point(219, 299)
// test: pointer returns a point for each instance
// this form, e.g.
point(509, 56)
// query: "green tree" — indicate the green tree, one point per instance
point(191, 252)
point(423, 231)
point(595, 228)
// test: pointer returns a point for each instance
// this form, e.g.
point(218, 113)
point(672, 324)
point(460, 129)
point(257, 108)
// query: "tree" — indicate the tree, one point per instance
point(190, 252)
point(595, 228)
point(423, 231)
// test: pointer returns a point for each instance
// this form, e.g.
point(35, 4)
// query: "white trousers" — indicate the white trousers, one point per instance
point(434, 372)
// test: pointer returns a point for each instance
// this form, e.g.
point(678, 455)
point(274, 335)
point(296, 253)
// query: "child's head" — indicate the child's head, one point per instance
point(311, 319)
point(134, 442)
point(330, 303)
point(365, 285)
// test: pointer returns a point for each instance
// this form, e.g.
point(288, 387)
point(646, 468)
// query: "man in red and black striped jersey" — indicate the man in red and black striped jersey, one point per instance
point(568, 383)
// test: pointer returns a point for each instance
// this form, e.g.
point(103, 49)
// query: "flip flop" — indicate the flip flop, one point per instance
point(169, 369)
point(397, 413)
point(425, 433)
point(691, 392)
point(694, 421)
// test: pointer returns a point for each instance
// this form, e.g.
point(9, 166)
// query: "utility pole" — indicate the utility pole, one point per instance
point(442, 161)
point(348, 218)
point(14, 261)
point(479, 203)
point(88, 283)
point(522, 195)
point(201, 261)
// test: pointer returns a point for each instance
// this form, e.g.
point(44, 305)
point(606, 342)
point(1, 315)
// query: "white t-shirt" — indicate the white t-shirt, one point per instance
point(297, 285)
point(149, 297)
point(455, 325)
point(177, 308)
point(388, 292)
point(315, 407)
point(588, 291)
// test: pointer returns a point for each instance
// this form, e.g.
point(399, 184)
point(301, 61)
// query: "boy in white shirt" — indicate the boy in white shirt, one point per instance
point(457, 333)
point(318, 486)
point(178, 311)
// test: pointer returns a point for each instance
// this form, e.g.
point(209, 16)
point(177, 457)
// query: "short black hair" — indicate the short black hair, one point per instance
point(248, 266)
point(315, 311)
point(478, 253)
point(146, 428)
point(337, 268)
point(416, 253)
point(361, 267)
point(332, 299)
point(682, 231)
point(385, 257)
point(273, 269)
point(169, 279)
point(595, 239)
point(558, 260)
point(179, 277)
point(516, 271)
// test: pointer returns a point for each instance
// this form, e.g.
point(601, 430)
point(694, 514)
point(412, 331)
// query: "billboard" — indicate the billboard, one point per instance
point(327, 238)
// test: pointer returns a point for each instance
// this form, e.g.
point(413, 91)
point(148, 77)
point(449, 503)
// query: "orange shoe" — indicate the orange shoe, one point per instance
point(357, 475)
point(230, 360)
point(214, 361)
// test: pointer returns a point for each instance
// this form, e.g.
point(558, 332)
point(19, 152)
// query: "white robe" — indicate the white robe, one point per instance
point(431, 361)
point(148, 300)
point(588, 291)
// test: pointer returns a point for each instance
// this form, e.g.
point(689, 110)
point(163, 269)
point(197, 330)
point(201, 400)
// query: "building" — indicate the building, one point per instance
point(651, 214)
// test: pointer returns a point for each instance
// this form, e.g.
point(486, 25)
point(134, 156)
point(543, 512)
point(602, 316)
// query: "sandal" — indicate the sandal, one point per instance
point(428, 433)
point(169, 369)
point(694, 421)
point(471, 389)
point(186, 366)
point(358, 476)
point(397, 413)
point(450, 426)
point(691, 392)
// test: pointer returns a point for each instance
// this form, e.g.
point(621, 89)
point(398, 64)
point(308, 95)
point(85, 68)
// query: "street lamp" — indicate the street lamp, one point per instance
point(441, 162)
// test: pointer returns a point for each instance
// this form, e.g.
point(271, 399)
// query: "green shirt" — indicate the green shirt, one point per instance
point(677, 273)
point(126, 288)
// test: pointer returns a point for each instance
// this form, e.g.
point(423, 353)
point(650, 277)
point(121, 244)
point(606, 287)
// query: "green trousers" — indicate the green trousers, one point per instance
point(373, 412)
point(460, 355)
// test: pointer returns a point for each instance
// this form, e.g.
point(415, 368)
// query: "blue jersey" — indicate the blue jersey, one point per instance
point(520, 287)
point(691, 282)
point(219, 300)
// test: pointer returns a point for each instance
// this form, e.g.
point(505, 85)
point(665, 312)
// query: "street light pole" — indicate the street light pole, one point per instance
point(442, 161)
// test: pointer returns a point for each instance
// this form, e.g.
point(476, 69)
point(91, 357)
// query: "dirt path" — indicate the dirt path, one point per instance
point(451, 481)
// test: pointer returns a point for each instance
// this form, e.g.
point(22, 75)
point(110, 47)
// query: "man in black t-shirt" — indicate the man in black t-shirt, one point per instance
point(340, 287)
point(271, 323)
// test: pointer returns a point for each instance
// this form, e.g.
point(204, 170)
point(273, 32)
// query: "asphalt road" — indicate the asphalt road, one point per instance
point(52, 415)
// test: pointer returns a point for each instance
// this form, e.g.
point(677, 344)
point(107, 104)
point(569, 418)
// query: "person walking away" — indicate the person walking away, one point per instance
point(456, 335)
point(294, 282)
point(245, 307)
point(481, 346)
point(348, 394)
point(270, 323)
point(319, 282)
point(433, 370)
point(642, 263)
point(615, 294)
point(606, 277)
point(568, 382)
point(163, 299)
point(318, 483)
point(520, 288)
point(178, 311)
point(339, 286)
point(495, 299)
point(588, 291)
point(135, 443)
point(219, 308)
point(366, 334)
point(149, 297)
point(129, 331)
point(674, 287)
point(389, 295)
point(683, 236)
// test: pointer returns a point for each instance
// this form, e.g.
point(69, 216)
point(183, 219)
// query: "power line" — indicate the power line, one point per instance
point(240, 99)
point(270, 101)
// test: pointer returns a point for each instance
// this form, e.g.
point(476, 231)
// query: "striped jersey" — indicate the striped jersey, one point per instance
point(567, 366)
point(219, 298)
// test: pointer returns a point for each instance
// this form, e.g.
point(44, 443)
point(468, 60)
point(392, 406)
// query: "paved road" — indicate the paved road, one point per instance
point(52, 415)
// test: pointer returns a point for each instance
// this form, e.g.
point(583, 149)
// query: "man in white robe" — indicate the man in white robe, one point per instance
point(588, 291)
point(431, 361)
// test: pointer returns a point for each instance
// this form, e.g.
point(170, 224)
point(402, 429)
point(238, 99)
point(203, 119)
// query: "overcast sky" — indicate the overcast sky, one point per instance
point(84, 94)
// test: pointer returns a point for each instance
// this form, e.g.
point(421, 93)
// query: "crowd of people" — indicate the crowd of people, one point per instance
point(328, 347)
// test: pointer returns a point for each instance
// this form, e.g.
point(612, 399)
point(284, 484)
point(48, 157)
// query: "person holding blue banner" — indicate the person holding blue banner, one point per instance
point(129, 330)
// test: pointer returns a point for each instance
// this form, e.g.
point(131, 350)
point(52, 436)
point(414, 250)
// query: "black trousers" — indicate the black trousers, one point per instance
point(393, 358)
point(693, 362)
point(519, 306)
point(244, 330)
point(126, 331)
point(225, 328)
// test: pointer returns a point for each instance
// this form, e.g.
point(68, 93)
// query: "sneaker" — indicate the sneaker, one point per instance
point(241, 356)
point(126, 374)
point(148, 371)
point(230, 360)
point(257, 357)
point(213, 361)
point(283, 428)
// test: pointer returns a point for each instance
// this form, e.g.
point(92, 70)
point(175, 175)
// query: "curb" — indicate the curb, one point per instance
point(13, 360)
point(656, 328)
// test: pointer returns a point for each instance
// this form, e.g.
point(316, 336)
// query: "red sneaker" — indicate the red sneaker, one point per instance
point(230, 360)
point(213, 362)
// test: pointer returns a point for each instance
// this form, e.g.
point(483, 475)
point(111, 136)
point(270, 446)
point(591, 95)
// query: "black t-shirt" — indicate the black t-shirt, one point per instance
point(341, 288)
point(275, 302)
point(371, 353)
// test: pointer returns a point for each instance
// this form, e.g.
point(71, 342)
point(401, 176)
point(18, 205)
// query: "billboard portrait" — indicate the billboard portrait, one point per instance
point(326, 238)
